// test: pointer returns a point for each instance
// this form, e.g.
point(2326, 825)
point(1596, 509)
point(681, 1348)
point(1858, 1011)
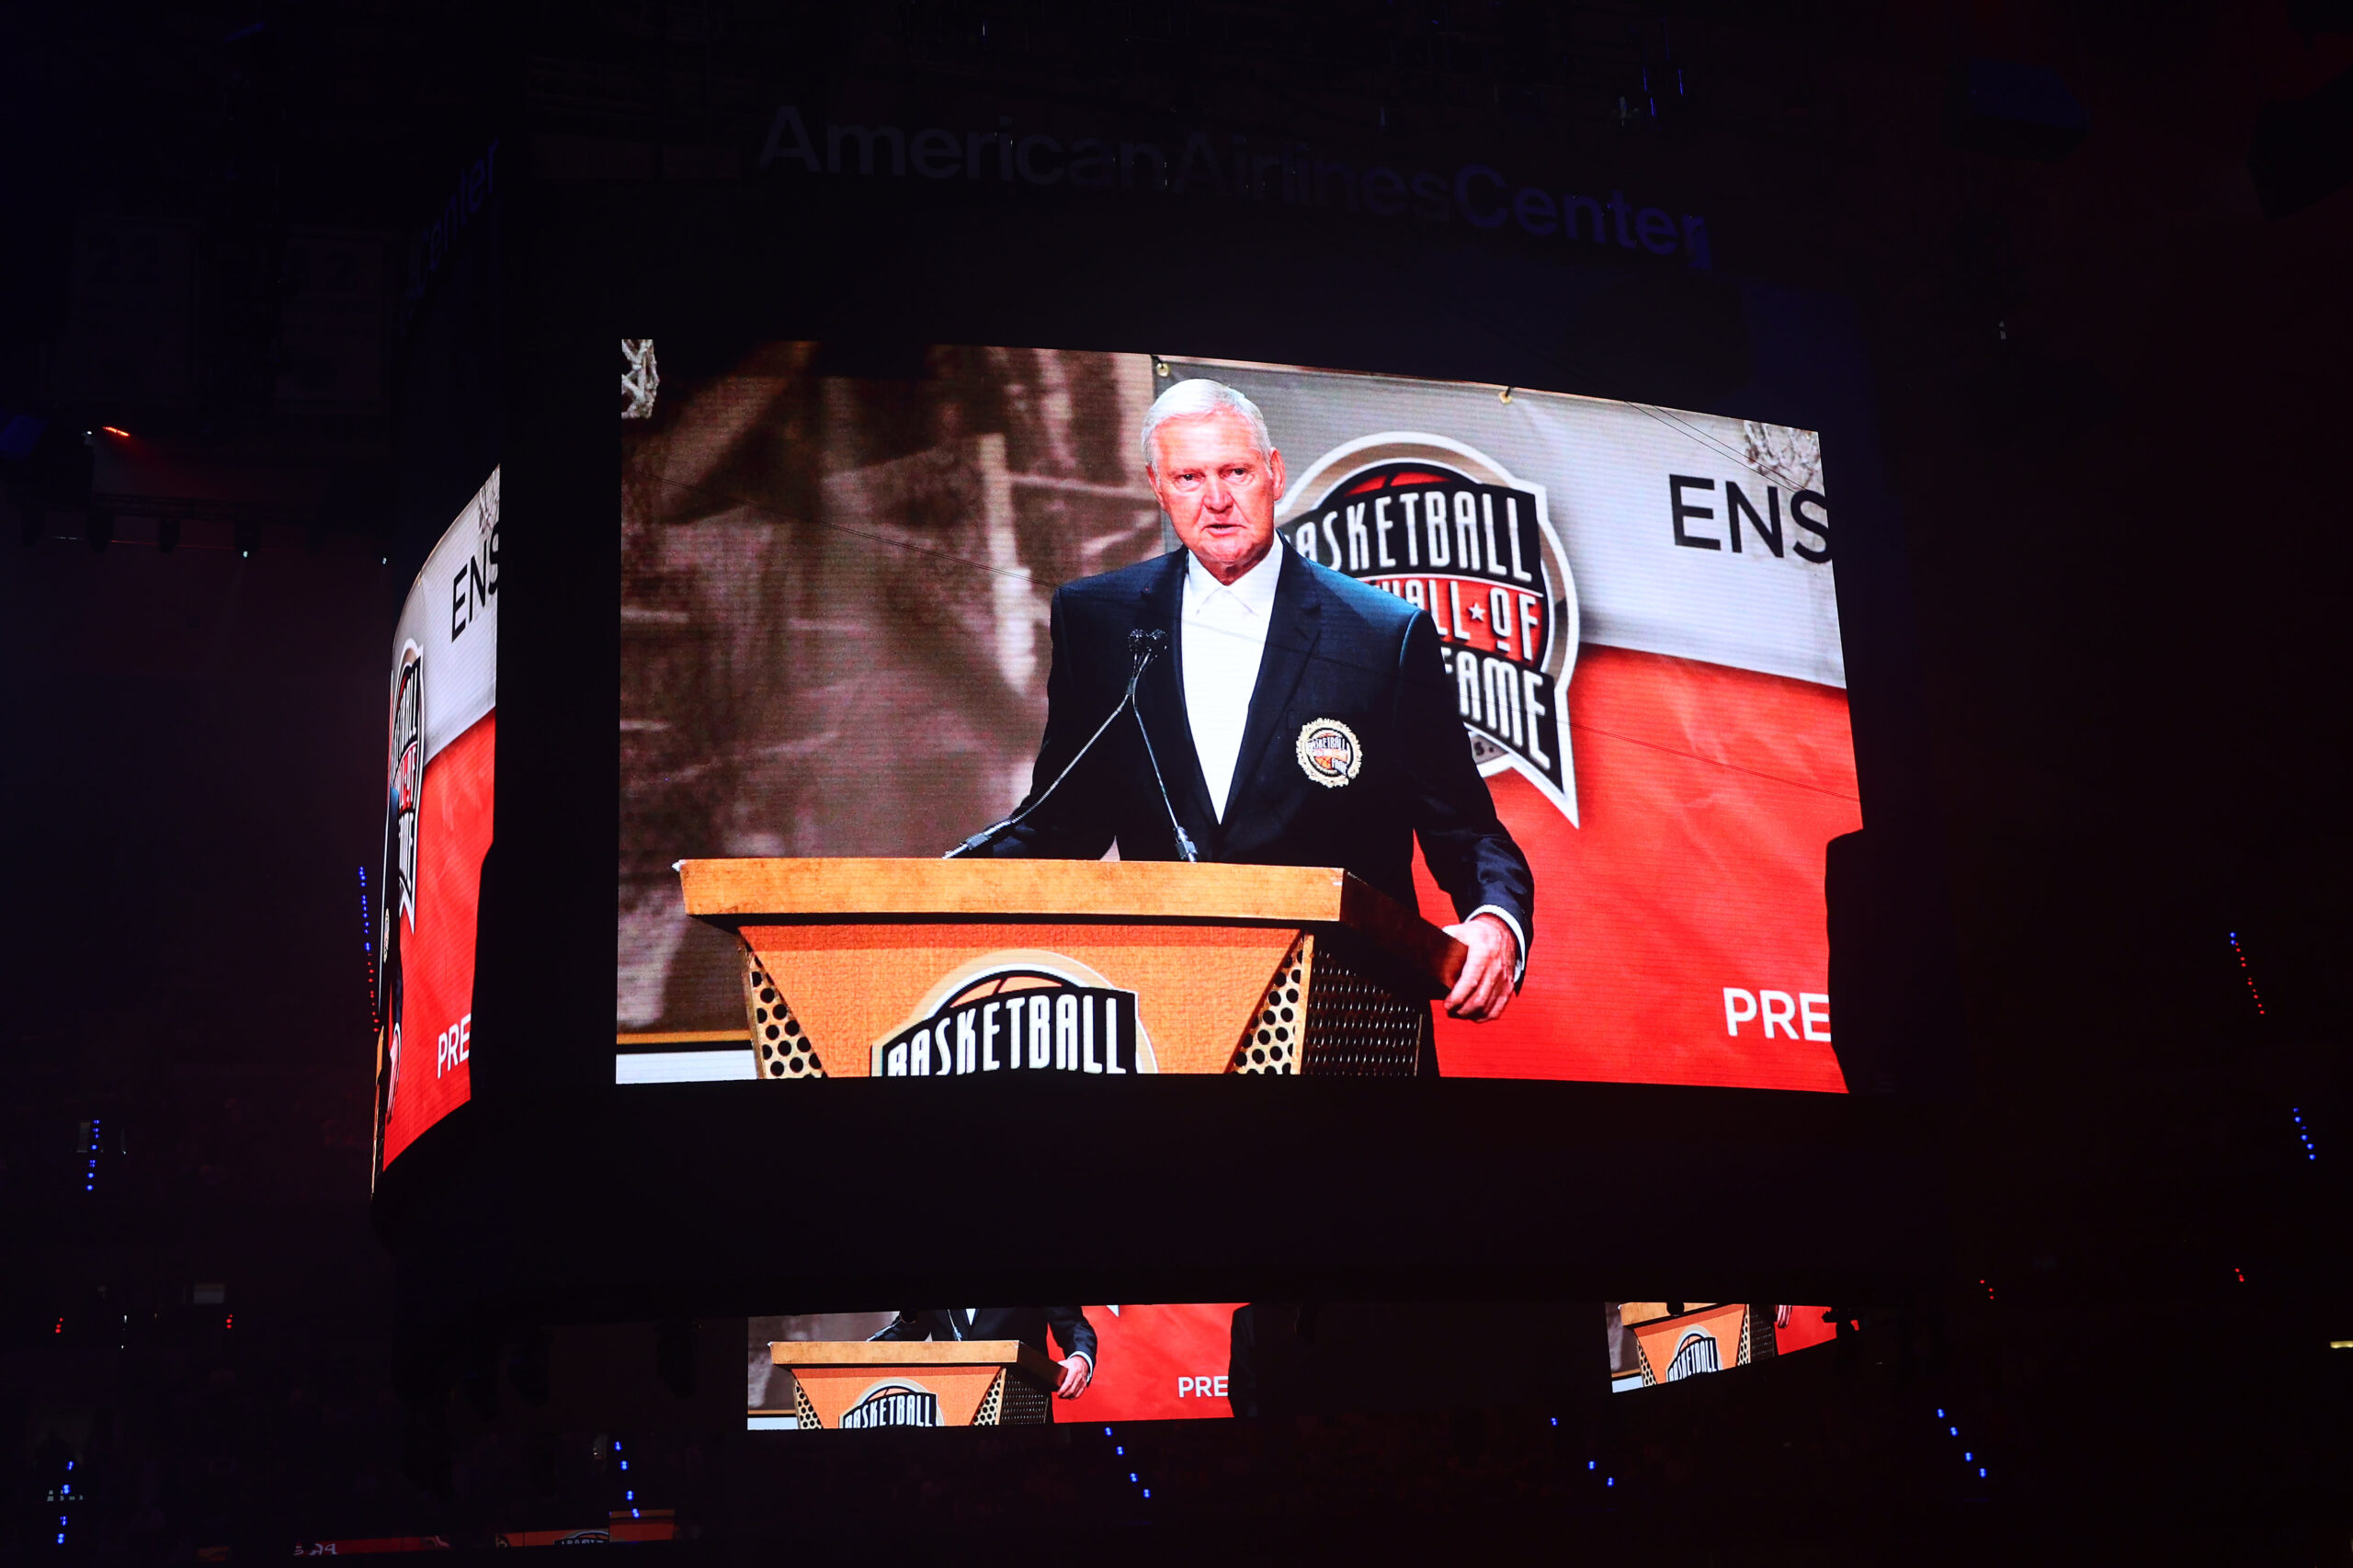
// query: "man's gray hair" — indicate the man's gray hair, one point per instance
point(1194, 399)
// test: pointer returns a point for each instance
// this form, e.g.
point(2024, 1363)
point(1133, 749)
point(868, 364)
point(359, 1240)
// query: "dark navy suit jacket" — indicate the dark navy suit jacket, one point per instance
point(1335, 648)
point(1028, 1324)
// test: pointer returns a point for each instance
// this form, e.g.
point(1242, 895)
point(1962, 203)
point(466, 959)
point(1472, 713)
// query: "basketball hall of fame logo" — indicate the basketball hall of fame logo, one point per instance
point(404, 795)
point(1447, 529)
point(892, 1402)
point(1329, 753)
point(1019, 1011)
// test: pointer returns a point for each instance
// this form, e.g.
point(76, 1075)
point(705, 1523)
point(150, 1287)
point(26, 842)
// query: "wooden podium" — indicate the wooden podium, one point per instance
point(848, 1385)
point(856, 968)
point(1706, 1336)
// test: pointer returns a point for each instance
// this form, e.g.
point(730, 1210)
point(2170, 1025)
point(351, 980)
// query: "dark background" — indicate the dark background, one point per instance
point(2106, 364)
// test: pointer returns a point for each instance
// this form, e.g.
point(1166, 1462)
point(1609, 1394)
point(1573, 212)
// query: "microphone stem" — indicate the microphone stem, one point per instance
point(989, 834)
point(1185, 849)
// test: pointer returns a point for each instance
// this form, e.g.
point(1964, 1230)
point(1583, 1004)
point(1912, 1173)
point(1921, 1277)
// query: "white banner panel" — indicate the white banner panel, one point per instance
point(1686, 534)
point(451, 620)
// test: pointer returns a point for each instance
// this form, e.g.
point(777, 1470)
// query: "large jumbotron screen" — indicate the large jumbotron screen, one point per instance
point(838, 567)
point(440, 776)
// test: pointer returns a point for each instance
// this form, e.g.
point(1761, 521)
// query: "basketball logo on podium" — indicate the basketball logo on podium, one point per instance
point(1019, 1011)
point(894, 1403)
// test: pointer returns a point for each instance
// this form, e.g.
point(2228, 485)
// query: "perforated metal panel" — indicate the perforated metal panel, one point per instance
point(1358, 1027)
point(1270, 1043)
point(785, 1051)
point(992, 1403)
point(1025, 1404)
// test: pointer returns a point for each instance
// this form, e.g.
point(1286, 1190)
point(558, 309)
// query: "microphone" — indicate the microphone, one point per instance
point(1145, 644)
point(1142, 645)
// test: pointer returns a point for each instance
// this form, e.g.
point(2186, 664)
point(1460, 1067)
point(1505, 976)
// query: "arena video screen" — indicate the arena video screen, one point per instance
point(441, 753)
point(1652, 1343)
point(838, 576)
point(1196, 1360)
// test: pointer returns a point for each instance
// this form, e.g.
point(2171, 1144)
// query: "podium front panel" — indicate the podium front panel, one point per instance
point(864, 1384)
point(873, 999)
point(850, 1398)
point(1706, 1337)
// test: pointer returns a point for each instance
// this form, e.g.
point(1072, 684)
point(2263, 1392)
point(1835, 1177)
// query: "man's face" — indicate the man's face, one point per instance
point(1218, 489)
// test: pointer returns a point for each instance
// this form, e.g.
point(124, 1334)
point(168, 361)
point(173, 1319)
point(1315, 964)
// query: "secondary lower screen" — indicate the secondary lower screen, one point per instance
point(1198, 1360)
point(838, 569)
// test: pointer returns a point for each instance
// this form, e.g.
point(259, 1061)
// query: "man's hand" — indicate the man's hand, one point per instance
point(1077, 1372)
point(1485, 989)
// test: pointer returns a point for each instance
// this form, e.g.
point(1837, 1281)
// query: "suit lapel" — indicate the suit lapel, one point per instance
point(1161, 699)
point(1292, 634)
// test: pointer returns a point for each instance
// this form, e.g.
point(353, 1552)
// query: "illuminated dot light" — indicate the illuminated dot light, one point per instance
point(1134, 1478)
point(368, 948)
point(2304, 1135)
point(1967, 1456)
point(2247, 974)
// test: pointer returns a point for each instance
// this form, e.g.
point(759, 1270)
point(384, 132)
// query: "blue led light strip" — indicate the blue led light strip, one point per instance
point(368, 951)
point(1968, 1455)
point(2247, 974)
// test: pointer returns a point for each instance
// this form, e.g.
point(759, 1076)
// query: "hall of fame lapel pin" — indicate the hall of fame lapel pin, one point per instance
point(1329, 751)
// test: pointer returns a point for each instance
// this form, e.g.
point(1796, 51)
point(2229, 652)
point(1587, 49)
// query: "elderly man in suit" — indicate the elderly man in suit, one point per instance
point(1301, 718)
point(1028, 1324)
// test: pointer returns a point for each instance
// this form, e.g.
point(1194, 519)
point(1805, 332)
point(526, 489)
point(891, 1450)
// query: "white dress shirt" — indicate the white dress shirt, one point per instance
point(1223, 641)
